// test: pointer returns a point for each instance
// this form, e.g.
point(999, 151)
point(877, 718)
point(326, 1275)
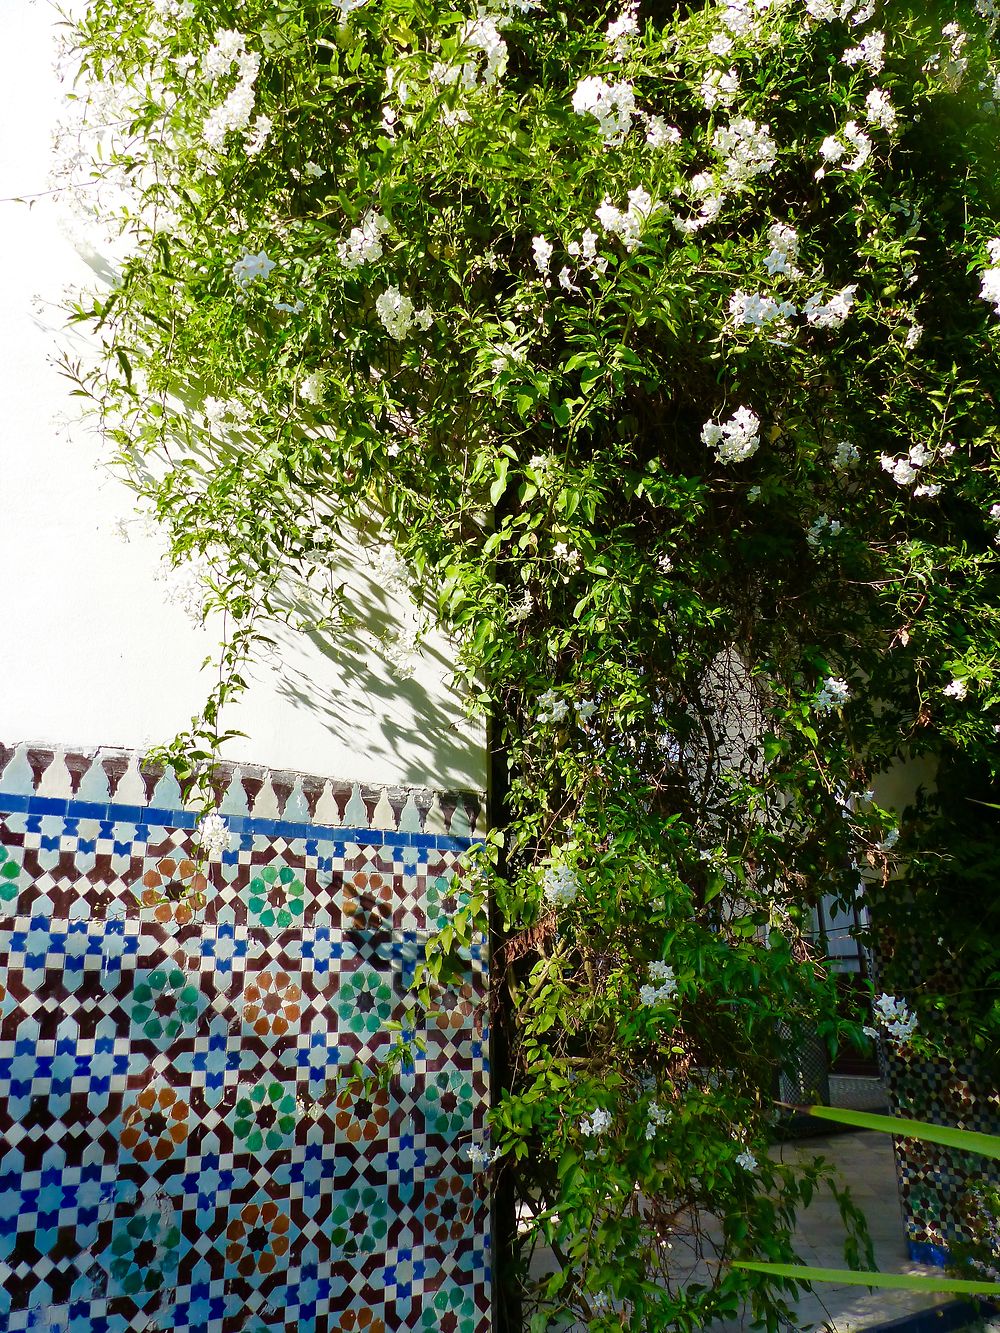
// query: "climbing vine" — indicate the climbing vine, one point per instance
point(659, 347)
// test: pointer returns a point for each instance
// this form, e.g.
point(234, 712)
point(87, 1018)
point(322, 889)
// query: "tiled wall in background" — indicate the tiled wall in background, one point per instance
point(934, 1181)
point(176, 1148)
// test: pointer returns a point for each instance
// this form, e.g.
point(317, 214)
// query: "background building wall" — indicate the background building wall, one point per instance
point(92, 650)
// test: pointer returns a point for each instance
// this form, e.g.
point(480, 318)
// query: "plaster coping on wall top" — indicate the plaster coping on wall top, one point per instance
point(106, 775)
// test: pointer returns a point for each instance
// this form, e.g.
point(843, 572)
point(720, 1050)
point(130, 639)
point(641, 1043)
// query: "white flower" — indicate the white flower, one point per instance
point(542, 251)
point(822, 530)
point(747, 149)
point(895, 1017)
point(313, 170)
point(223, 53)
point(880, 111)
point(913, 335)
point(598, 1122)
point(958, 689)
point(831, 149)
point(734, 440)
point(990, 290)
point(994, 511)
point(665, 987)
point(830, 314)
point(586, 709)
point(313, 388)
point(833, 693)
point(213, 835)
point(551, 708)
point(251, 267)
point(751, 309)
point(657, 1116)
point(929, 491)
point(623, 31)
point(902, 470)
point(870, 51)
point(754, 494)
point(559, 885)
point(480, 1157)
point(718, 89)
point(860, 142)
point(627, 224)
point(257, 136)
point(889, 841)
point(611, 104)
point(396, 312)
point(784, 251)
point(661, 135)
point(747, 1160)
point(364, 244)
point(846, 455)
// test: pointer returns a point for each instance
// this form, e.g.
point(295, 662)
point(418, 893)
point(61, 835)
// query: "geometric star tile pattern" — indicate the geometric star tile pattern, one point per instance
point(182, 1145)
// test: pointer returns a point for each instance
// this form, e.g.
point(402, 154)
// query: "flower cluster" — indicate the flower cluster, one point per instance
point(830, 314)
point(364, 243)
point(627, 224)
point(251, 267)
point(213, 835)
point(990, 290)
point(746, 1160)
point(833, 693)
point(833, 149)
point(611, 104)
point(657, 1117)
point(734, 440)
point(823, 530)
point(895, 1017)
point(597, 1123)
point(746, 148)
point(228, 49)
point(398, 315)
point(559, 885)
point(661, 987)
point(958, 689)
point(904, 471)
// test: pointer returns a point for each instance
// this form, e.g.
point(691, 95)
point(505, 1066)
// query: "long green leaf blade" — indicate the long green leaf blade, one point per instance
point(964, 1140)
point(849, 1277)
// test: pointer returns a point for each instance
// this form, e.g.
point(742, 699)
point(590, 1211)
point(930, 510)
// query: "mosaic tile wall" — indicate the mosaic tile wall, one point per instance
point(176, 1149)
point(934, 1181)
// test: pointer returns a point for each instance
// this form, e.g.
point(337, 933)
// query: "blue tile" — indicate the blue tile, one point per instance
point(46, 805)
point(12, 803)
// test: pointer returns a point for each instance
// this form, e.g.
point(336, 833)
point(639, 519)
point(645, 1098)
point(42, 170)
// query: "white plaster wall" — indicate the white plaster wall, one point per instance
point(91, 651)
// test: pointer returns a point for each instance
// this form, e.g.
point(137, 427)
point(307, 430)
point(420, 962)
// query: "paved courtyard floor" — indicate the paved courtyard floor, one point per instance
point(864, 1162)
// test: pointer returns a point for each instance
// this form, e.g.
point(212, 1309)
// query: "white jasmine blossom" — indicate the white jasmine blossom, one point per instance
point(257, 135)
point(597, 1123)
point(313, 388)
point(832, 313)
point(626, 224)
point(734, 440)
point(880, 111)
point(823, 530)
point(870, 52)
point(783, 256)
point(895, 1017)
point(747, 149)
point(623, 31)
point(542, 252)
point(913, 335)
point(928, 491)
point(846, 455)
point(364, 244)
point(990, 290)
point(661, 135)
point(747, 1160)
point(833, 693)
point(718, 89)
point(586, 709)
point(551, 708)
point(753, 310)
point(559, 885)
point(661, 987)
point(958, 689)
point(213, 835)
point(831, 149)
point(611, 104)
point(657, 1116)
point(398, 315)
point(251, 267)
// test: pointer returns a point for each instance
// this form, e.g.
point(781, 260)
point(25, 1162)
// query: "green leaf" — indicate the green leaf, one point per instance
point(848, 1277)
point(963, 1140)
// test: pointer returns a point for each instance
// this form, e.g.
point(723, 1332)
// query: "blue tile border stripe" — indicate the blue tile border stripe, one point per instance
point(15, 803)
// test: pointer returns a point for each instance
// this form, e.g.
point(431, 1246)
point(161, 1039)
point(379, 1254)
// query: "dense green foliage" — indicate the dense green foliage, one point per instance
point(676, 394)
